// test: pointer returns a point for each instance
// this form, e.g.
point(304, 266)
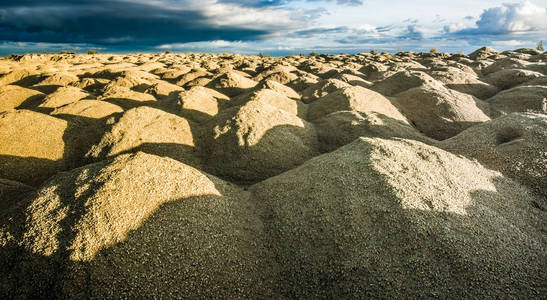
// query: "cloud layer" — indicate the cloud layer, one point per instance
point(250, 26)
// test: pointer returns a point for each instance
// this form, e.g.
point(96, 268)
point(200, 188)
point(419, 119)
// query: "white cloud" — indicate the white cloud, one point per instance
point(509, 43)
point(508, 18)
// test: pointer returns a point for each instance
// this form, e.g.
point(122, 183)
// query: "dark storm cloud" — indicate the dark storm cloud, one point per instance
point(112, 23)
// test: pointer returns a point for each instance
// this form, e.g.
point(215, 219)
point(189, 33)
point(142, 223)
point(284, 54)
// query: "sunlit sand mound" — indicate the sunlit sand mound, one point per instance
point(136, 226)
point(149, 130)
point(35, 146)
point(63, 96)
point(257, 141)
point(93, 109)
point(199, 103)
point(13, 96)
point(353, 98)
point(439, 112)
point(398, 218)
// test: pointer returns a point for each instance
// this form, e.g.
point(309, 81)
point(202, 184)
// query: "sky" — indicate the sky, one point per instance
point(275, 27)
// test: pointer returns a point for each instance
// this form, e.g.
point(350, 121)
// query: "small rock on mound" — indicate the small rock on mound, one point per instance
point(321, 89)
point(509, 78)
point(35, 146)
point(135, 226)
point(398, 218)
point(343, 127)
point(200, 103)
point(93, 109)
point(354, 98)
point(63, 96)
point(439, 112)
point(513, 144)
point(402, 81)
point(519, 99)
point(13, 96)
point(149, 130)
point(257, 141)
point(231, 83)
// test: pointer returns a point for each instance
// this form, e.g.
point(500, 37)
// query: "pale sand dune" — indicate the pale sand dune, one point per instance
point(194, 175)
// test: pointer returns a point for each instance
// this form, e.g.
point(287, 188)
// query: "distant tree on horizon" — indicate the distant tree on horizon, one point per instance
point(540, 46)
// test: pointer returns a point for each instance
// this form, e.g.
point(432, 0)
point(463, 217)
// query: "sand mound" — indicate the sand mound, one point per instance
point(321, 89)
point(464, 82)
point(93, 109)
point(438, 112)
point(200, 104)
point(136, 80)
point(354, 80)
point(509, 78)
point(136, 226)
point(505, 63)
point(149, 130)
point(163, 89)
point(92, 85)
point(63, 96)
point(231, 84)
point(257, 141)
point(22, 77)
point(35, 146)
point(52, 82)
point(519, 99)
point(192, 75)
point(12, 96)
point(174, 73)
point(276, 99)
point(278, 87)
point(353, 98)
point(483, 53)
point(513, 144)
point(126, 98)
point(381, 218)
point(340, 128)
point(402, 81)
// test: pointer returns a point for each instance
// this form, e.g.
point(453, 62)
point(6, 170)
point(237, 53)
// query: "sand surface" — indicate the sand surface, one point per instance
point(373, 175)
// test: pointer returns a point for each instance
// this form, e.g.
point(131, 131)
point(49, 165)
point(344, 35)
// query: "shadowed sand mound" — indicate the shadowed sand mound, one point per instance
point(186, 233)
